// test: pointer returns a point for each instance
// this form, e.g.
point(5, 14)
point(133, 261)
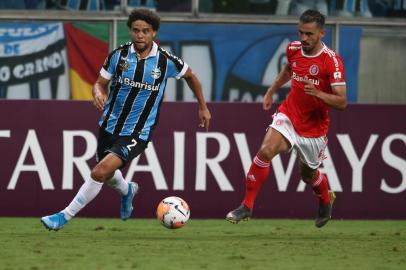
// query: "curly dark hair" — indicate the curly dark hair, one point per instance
point(146, 15)
point(312, 15)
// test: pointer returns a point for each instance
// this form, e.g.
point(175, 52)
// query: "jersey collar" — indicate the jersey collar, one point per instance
point(317, 54)
point(152, 53)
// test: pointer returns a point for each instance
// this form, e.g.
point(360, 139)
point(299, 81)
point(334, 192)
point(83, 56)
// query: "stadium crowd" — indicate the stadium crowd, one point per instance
point(341, 8)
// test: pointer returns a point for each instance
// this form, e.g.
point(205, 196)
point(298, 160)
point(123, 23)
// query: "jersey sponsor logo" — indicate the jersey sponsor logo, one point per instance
point(145, 86)
point(294, 47)
point(314, 70)
point(337, 75)
point(156, 73)
point(301, 79)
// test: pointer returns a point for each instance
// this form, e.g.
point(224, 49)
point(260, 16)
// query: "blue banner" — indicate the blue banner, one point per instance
point(349, 49)
point(238, 62)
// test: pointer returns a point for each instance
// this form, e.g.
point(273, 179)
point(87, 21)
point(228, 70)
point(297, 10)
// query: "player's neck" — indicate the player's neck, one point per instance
point(316, 50)
point(144, 53)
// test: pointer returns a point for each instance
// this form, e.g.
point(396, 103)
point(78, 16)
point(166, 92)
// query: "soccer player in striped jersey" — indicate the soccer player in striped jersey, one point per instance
point(301, 123)
point(138, 72)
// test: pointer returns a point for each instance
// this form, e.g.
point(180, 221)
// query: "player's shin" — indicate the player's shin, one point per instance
point(320, 187)
point(118, 183)
point(87, 192)
point(257, 175)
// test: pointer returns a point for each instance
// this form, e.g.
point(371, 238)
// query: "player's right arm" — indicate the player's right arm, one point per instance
point(100, 88)
point(99, 92)
point(282, 78)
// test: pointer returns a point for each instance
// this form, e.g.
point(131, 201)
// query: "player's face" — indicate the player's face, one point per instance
point(310, 35)
point(142, 35)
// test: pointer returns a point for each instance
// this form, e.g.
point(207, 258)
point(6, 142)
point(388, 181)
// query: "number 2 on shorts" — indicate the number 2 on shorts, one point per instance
point(134, 143)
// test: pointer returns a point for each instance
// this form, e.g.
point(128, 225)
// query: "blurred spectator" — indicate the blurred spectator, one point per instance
point(88, 5)
point(245, 6)
point(398, 9)
point(231, 6)
point(350, 8)
point(141, 3)
point(206, 6)
point(174, 5)
point(35, 4)
point(12, 4)
point(263, 6)
point(283, 7)
point(380, 8)
point(300, 6)
point(112, 4)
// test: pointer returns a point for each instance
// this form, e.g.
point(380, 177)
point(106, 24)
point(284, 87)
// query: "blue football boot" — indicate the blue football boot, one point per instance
point(54, 222)
point(126, 207)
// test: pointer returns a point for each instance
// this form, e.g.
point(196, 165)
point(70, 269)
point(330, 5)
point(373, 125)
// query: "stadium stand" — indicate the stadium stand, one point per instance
point(350, 8)
point(397, 9)
point(299, 6)
point(138, 3)
point(88, 5)
point(12, 4)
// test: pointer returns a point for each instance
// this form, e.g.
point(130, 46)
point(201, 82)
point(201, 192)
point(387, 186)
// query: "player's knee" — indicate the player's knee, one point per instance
point(307, 174)
point(99, 174)
point(267, 151)
point(307, 179)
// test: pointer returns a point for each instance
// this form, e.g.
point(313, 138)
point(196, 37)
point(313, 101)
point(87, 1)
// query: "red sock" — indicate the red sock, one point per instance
point(320, 187)
point(257, 175)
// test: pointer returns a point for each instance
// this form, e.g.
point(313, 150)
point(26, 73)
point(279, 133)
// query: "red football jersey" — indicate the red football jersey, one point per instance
point(308, 114)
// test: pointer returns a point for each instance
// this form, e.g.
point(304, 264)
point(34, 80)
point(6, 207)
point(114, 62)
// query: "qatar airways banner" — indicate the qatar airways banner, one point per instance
point(48, 149)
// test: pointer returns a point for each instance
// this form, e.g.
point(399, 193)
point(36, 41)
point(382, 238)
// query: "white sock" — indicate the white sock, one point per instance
point(118, 183)
point(87, 192)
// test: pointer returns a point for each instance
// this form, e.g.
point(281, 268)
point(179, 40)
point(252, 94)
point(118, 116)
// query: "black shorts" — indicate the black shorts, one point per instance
point(125, 147)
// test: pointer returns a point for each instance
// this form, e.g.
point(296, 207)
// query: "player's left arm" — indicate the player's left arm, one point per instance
point(195, 85)
point(337, 100)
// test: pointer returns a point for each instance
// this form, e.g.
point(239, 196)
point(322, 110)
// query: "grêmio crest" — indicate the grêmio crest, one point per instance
point(123, 65)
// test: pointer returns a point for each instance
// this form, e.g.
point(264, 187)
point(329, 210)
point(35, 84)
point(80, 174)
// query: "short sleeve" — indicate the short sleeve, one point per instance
point(175, 70)
point(288, 57)
point(176, 66)
point(109, 66)
point(291, 49)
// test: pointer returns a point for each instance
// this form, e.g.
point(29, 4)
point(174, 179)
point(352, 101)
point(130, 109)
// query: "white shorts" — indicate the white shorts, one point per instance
point(310, 150)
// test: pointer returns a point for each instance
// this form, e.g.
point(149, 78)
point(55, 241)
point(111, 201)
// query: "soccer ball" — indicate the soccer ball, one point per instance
point(173, 212)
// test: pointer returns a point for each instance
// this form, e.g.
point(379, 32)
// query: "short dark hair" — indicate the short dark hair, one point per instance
point(312, 15)
point(146, 15)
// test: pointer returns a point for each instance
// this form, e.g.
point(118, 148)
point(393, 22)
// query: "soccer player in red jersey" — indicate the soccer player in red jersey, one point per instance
point(301, 123)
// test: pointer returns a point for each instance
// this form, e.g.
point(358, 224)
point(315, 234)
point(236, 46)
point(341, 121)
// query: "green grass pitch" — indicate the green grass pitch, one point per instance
point(202, 244)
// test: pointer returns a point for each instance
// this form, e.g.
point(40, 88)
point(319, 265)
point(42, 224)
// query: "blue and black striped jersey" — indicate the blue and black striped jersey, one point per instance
point(137, 89)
